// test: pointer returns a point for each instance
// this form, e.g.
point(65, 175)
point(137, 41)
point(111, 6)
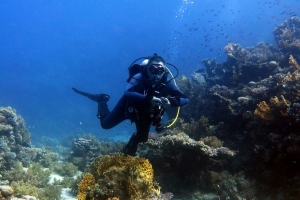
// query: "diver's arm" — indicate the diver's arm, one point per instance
point(134, 96)
point(177, 98)
point(133, 86)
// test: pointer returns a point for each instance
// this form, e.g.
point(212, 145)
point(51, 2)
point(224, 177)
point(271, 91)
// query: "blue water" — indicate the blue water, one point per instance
point(47, 47)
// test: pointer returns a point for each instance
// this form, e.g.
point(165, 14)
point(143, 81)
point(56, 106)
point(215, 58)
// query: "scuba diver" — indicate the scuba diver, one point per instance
point(148, 94)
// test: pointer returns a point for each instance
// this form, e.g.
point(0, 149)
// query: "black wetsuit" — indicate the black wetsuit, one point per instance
point(136, 106)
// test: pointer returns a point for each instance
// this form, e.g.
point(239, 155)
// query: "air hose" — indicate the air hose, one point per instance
point(178, 109)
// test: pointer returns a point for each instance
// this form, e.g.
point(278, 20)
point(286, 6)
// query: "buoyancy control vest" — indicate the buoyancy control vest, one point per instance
point(134, 69)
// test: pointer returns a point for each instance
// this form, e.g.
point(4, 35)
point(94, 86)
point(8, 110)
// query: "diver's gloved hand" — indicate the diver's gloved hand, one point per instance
point(155, 100)
point(165, 101)
point(174, 101)
point(160, 100)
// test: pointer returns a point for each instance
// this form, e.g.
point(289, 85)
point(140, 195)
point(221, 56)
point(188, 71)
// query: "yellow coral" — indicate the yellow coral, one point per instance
point(114, 198)
point(263, 110)
point(295, 76)
point(282, 104)
point(146, 174)
point(119, 177)
point(275, 101)
point(88, 182)
point(279, 105)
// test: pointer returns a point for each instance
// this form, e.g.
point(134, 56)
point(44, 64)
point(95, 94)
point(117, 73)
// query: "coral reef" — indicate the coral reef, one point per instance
point(261, 56)
point(221, 90)
point(293, 62)
point(279, 108)
point(119, 176)
point(13, 127)
point(180, 161)
point(87, 147)
point(49, 192)
point(22, 188)
point(182, 142)
point(238, 138)
point(212, 141)
point(14, 139)
point(287, 35)
point(16, 153)
point(243, 64)
point(82, 146)
point(236, 188)
point(33, 181)
point(64, 168)
point(35, 175)
point(252, 106)
point(264, 111)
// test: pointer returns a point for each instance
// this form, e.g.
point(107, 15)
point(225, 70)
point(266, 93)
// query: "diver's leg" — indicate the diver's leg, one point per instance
point(141, 135)
point(142, 129)
point(110, 119)
point(103, 110)
point(131, 146)
point(94, 97)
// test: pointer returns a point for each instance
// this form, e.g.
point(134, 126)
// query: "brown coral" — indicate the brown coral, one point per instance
point(282, 104)
point(191, 128)
point(119, 176)
point(212, 141)
point(291, 77)
point(204, 121)
point(114, 198)
point(293, 62)
point(263, 110)
point(87, 183)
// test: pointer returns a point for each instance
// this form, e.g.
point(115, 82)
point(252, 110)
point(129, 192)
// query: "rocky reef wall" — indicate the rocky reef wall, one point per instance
point(250, 103)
